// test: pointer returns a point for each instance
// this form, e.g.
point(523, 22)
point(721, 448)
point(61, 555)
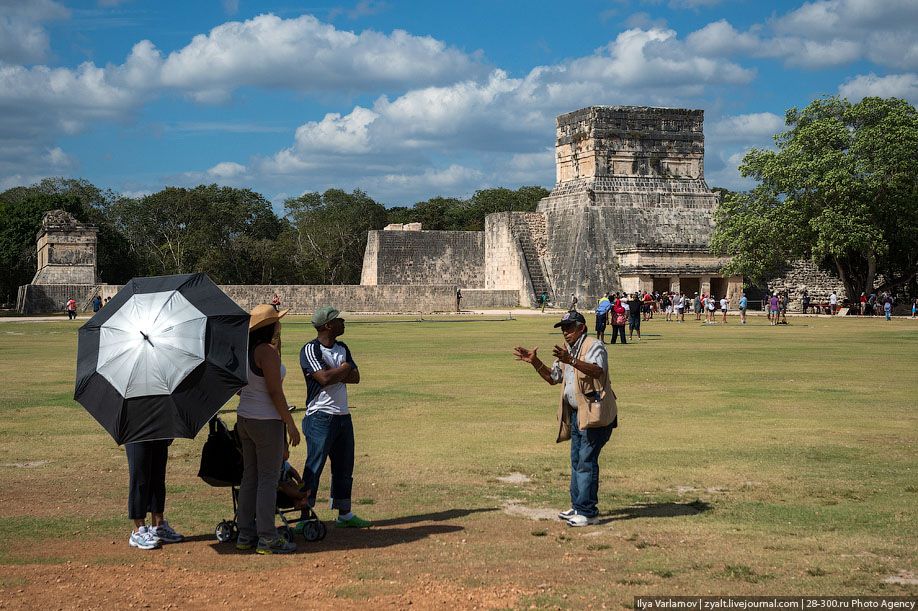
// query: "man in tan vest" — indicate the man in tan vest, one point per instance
point(587, 412)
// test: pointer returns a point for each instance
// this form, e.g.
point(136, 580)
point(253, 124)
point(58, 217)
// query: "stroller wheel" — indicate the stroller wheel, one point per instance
point(314, 530)
point(224, 531)
point(285, 532)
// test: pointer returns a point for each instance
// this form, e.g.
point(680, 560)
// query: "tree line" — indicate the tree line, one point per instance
point(231, 234)
point(840, 189)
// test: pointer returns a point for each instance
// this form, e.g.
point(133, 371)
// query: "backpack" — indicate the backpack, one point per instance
point(221, 457)
point(618, 316)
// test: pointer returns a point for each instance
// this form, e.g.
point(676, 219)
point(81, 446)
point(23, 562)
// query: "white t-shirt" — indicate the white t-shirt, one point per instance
point(833, 299)
point(331, 399)
point(723, 303)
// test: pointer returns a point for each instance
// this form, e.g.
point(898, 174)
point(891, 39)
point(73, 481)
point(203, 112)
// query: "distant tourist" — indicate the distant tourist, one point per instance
point(723, 309)
point(806, 301)
point(782, 307)
point(914, 307)
point(634, 318)
point(582, 369)
point(667, 307)
point(458, 299)
point(275, 301)
point(773, 308)
point(863, 304)
point(619, 318)
point(696, 303)
point(602, 317)
point(680, 307)
point(71, 309)
point(573, 307)
point(833, 303)
point(743, 302)
point(96, 304)
point(710, 309)
point(647, 308)
point(887, 306)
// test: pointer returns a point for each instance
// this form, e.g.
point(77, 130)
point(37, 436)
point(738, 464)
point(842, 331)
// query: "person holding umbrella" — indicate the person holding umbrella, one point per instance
point(147, 493)
point(263, 420)
point(156, 365)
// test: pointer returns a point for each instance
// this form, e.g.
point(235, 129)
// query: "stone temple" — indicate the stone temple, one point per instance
point(630, 210)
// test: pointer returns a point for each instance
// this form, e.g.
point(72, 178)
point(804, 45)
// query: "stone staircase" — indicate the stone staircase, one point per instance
point(531, 231)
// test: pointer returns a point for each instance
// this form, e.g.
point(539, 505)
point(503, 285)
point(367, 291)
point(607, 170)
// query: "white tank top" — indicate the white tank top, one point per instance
point(255, 402)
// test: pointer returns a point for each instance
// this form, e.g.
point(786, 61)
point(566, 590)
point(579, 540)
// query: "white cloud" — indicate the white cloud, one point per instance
point(230, 7)
point(478, 132)
point(306, 55)
point(227, 169)
point(23, 38)
point(747, 128)
point(870, 85)
point(693, 4)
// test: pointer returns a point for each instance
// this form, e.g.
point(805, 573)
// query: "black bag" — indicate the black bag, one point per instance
point(221, 458)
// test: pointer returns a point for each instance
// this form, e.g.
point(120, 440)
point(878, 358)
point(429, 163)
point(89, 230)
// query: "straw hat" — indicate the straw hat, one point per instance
point(263, 315)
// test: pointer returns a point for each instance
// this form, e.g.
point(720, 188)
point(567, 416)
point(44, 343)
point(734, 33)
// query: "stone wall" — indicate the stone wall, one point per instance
point(301, 299)
point(43, 298)
point(806, 276)
point(481, 299)
point(424, 258)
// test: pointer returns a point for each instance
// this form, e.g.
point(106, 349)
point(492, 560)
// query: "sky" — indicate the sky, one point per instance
point(408, 100)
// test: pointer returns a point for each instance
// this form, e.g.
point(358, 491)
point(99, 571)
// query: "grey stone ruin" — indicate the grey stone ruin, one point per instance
point(629, 211)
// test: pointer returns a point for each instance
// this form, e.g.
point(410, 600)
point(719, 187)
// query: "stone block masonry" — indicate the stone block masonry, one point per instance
point(417, 257)
point(301, 299)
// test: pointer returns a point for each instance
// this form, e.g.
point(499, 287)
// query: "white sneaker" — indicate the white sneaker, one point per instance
point(144, 538)
point(567, 515)
point(579, 520)
point(167, 534)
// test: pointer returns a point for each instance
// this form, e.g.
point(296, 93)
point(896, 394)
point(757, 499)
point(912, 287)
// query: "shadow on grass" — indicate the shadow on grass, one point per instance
point(657, 510)
point(383, 533)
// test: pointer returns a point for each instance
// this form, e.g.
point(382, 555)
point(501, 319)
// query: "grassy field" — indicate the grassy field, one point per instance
point(749, 460)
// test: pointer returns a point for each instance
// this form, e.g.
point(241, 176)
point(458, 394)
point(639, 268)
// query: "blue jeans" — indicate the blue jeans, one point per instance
point(585, 448)
point(329, 437)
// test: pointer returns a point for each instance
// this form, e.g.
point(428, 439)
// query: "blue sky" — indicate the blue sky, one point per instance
point(409, 100)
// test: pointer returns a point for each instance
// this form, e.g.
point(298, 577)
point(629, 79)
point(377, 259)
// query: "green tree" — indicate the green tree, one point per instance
point(841, 188)
point(205, 229)
point(331, 233)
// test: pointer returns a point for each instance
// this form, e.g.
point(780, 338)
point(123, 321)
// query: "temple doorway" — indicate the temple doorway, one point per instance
point(690, 286)
point(661, 285)
point(718, 287)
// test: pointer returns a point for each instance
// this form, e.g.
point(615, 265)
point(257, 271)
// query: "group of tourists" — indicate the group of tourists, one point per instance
point(266, 427)
point(97, 304)
point(617, 310)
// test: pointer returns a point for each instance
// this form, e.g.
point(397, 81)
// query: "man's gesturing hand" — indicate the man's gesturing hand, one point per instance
point(522, 354)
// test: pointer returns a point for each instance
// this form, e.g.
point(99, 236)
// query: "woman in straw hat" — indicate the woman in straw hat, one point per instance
point(262, 418)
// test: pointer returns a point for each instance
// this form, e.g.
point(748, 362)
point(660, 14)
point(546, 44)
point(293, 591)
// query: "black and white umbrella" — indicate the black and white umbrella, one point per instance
point(162, 357)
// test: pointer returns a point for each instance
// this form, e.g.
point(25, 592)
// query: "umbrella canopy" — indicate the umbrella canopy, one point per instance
point(162, 357)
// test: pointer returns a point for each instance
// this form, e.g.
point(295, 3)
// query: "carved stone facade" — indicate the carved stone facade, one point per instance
point(66, 250)
point(630, 211)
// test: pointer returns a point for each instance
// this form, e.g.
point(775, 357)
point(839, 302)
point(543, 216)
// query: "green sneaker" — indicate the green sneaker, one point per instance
point(353, 522)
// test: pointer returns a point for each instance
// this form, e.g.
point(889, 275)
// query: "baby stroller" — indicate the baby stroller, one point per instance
point(221, 467)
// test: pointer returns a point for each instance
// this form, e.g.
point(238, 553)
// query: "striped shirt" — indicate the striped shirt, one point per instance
point(314, 357)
